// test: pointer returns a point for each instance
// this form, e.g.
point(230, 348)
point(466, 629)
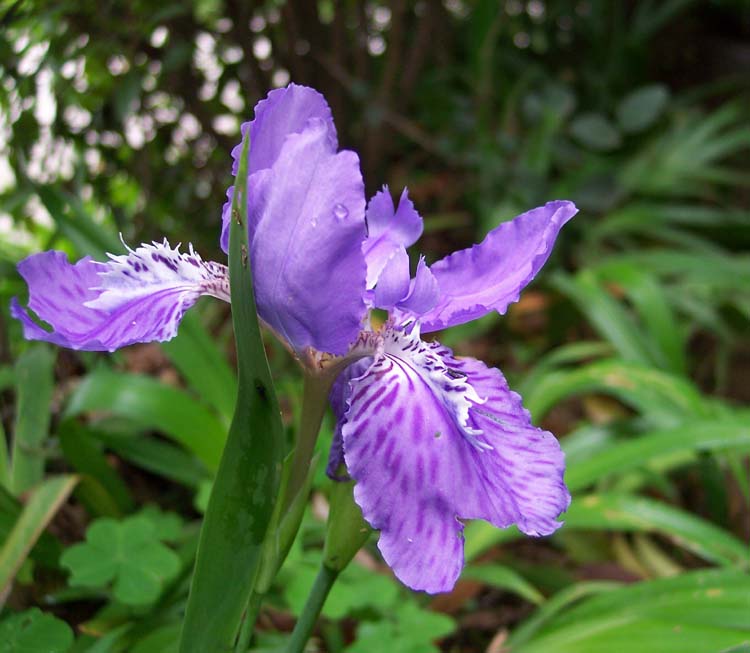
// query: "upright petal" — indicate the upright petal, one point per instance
point(393, 282)
point(491, 275)
point(137, 297)
point(429, 440)
point(283, 112)
point(307, 226)
point(389, 230)
point(423, 292)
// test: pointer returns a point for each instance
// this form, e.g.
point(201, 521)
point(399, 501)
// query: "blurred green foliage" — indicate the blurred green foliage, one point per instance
point(119, 117)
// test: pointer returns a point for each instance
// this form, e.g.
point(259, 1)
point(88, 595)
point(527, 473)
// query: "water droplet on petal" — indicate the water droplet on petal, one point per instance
point(314, 222)
point(340, 211)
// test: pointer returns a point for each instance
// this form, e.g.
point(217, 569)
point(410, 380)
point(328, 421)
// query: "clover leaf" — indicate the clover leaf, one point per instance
point(413, 630)
point(127, 554)
point(356, 589)
point(168, 525)
point(34, 631)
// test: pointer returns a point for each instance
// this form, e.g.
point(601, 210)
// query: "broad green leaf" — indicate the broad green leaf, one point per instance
point(203, 365)
point(34, 385)
point(159, 457)
point(247, 482)
point(101, 489)
point(40, 508)
point(127, 554)
point(596, 132)
point(34, 631)
point(641, 108)
point(151, 404)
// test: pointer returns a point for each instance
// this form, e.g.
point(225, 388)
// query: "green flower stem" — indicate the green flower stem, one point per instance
point(314, 405)
point(303, 629)
point(296, 481)
point(347, 529)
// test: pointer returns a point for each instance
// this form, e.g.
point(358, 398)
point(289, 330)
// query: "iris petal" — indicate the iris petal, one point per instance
point(389, 229)
point(431, 439)
point(423, 293)
point(393, 282)
point(137, 297)
point(283, 112)
point(491, 275)
point(306, 229)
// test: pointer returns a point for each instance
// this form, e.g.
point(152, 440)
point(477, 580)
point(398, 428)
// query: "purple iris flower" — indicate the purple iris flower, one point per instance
point(429, 438)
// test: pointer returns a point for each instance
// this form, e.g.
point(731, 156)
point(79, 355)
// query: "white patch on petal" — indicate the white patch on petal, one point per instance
point(448, 384)
point(150, 269)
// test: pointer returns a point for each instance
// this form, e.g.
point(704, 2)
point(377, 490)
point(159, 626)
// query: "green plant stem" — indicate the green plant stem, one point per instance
point(303, 629)
point(251, 614)
point(314, 405)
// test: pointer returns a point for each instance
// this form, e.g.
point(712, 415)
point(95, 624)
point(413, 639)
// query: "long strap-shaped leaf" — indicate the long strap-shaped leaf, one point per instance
point(247, 482)
point(43, 503)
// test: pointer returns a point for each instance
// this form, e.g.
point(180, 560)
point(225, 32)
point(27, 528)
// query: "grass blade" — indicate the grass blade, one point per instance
point(629, 513)
point(691, 613)
point(247, 482)
point(36, 514)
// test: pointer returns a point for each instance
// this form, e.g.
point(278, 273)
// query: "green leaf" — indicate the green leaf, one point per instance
point(163, 640)
point(557, 604)
point(596, 132)
point(247, 483)
point(34, 631)
point(203, 365)
point(356, 588)
point(412, 630)
point(34, 385)
point(159, 457)
point(641, 108)
point(606, 314)
point(167, 525)
point(152, 404)
point(629, 513)
point(690, 613)
point(76, 224)
point(661, 450)
point(127, 554)
point(39, 510)
point(101, 489)
point(4, 459)
point(687, 160)
point(504, 578)
point(665, 398)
